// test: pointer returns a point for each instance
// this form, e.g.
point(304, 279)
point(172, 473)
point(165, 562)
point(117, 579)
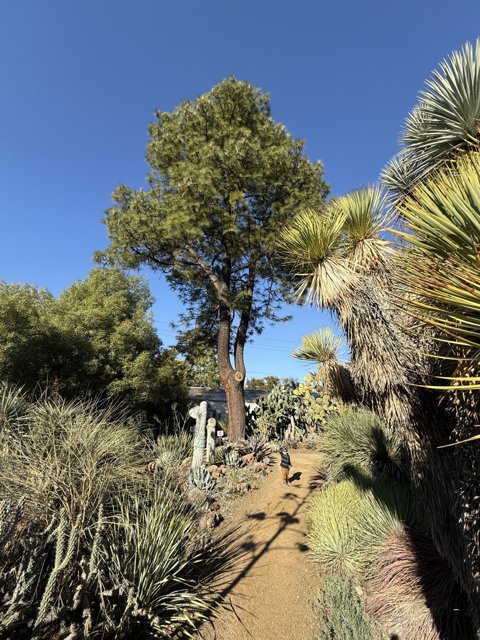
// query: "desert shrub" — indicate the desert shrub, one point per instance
point(69, 456)
point(156, 555)
point(356, 443)
point(13, 405)
point(346, 525)
point(173, 448)
point(219, 454)
point(343, 613)
point(414, 594)
point(90, 545)
point(238, 479)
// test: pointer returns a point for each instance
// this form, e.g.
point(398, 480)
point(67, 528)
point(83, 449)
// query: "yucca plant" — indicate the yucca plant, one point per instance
point(346, 524)
point(13, 405)
point(323, 347)
point(155, 554)
point(387, 363)
point(69, 455)
point(443, 124)
point(440, 208)
point(90, 545)
point(413, 591)
point(441, 268)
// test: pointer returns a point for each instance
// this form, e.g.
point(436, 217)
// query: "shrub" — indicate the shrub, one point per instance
point(343, 613)
point(172, 449)
point(355, 443)
point(155, 554)
point(69, 456)
point(414, 594)
point(13, 405)
point(89, 545)
point(346, 525)
point(237, 479)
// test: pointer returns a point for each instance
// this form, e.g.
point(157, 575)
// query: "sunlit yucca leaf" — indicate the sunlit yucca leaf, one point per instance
point(445, 121)
point(322, 347)
point(319, 346)
point(365, 216)
point(312, 247)
point(441, 269)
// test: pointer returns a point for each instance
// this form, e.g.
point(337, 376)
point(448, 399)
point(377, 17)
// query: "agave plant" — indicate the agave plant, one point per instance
point(444, 123)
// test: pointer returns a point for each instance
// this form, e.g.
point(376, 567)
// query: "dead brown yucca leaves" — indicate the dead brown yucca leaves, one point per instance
point(414, 594)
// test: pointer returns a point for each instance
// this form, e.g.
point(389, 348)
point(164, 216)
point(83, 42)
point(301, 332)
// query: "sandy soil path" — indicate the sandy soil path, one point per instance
point(272, 591)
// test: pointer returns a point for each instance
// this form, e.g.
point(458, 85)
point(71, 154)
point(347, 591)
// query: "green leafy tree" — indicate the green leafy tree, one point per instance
point(32, 349)
point(122, 352)
point(225, 178)
point(266, 383)
point(98, 337)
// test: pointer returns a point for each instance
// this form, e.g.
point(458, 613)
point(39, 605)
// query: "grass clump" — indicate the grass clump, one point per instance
point(347, 524)
point(413, 592)
point(343, 613)
point(356, 442)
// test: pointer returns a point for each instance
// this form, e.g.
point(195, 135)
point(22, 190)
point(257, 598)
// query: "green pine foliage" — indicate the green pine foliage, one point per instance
point(224, 180)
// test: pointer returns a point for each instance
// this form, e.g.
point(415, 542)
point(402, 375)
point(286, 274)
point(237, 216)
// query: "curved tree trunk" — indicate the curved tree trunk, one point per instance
point(232, 380)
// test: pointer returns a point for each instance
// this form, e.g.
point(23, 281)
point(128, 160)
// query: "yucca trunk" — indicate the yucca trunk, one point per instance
point(386, 369)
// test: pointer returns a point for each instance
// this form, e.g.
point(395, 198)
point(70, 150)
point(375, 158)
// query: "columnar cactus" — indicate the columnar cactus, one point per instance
point(210, 453)
point(200, 414)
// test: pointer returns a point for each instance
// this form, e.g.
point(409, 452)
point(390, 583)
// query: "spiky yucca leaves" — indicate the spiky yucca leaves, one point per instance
point(356, 444)
point(365, 219)
point(322, 347)
point(386, 366)
point(413, 592)
point(440, 272)
point(444, 123)
point(167, 578)
point(69, 455)
point(442, 268)
point(13, 405)
point(319, 346)
point(313, 249)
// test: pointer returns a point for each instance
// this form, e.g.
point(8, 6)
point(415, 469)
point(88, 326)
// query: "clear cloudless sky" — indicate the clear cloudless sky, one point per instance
point(80, 80)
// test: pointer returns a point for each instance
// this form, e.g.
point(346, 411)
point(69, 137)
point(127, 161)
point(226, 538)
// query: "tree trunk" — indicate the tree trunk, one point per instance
point(387, 370)
point(236, 408)
point(233, 381)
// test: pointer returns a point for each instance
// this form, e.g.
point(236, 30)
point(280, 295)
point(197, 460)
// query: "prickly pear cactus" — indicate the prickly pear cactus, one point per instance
point(315, 406)
point(274, 411)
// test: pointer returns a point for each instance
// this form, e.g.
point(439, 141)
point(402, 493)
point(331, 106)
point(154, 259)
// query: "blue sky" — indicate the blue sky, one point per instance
point(80, 81)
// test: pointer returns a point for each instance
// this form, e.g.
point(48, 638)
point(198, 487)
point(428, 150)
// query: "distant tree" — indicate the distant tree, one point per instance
point(266, 383)
point(225, 178)
point(32, 349)
point(98, 338)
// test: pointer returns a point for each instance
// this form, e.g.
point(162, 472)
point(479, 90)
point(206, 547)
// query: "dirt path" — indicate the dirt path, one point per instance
point(272, 592)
